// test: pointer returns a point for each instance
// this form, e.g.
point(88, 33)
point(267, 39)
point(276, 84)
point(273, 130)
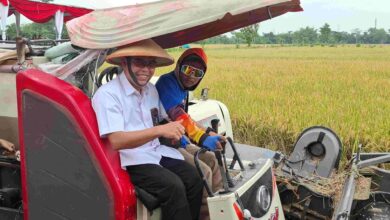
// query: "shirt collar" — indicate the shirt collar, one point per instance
point(127, 87)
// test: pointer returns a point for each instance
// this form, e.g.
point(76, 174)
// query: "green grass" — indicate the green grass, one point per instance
point(273, 93)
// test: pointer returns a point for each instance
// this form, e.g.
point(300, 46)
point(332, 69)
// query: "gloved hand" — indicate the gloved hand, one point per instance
point(183, 142)
point(211, 142)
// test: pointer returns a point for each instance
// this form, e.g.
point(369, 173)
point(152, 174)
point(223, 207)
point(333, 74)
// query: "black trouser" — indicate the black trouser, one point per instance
point(176, 185)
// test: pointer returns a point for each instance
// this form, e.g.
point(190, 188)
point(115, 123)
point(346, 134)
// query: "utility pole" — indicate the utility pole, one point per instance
point(375, 23)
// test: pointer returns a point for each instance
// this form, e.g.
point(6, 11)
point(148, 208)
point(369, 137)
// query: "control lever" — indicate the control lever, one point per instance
point(236, 156)
point(228, 177)
point(223, 173)
point(214, 126)
point(196, 160)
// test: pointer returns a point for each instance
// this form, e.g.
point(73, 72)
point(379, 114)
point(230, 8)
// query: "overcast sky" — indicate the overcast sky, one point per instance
point(342, 15)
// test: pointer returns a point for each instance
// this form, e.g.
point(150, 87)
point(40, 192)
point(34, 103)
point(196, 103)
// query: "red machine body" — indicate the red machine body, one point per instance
point(83, 169)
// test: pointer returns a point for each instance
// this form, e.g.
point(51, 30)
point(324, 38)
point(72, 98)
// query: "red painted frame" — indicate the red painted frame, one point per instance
point(79, 106)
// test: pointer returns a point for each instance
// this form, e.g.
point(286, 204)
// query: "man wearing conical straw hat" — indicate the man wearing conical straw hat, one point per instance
point(128, 111)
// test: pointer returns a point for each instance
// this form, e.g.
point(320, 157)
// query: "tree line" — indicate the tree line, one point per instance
point(35, 31)
point(304, 36)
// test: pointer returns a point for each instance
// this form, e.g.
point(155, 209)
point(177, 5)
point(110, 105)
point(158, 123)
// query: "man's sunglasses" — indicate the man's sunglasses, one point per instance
point(141, 63)
point(192, 71)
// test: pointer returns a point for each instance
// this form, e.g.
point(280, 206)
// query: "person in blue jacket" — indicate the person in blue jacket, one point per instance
point(173, 89)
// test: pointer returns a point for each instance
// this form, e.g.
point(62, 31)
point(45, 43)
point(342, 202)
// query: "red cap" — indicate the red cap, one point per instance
point(193, 51)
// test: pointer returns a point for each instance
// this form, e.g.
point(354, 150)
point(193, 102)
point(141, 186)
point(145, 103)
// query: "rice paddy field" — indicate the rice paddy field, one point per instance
point(273, 93)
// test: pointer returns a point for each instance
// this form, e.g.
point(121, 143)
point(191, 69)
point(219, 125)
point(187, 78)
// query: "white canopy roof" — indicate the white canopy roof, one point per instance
point(171, 22)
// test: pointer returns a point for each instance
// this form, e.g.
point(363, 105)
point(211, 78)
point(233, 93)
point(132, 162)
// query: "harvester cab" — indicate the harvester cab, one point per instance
point(68, 170)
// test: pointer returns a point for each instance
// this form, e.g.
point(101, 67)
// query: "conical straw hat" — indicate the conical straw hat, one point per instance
point(144, 48)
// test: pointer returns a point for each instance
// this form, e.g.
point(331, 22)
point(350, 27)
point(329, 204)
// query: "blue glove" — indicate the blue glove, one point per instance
point(184, 142)
point(210, 142)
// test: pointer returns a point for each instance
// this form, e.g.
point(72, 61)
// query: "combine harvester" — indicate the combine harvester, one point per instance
point(65, 171)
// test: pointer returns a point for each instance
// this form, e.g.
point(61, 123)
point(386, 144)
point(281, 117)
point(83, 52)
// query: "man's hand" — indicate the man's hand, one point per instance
point(172, 130)
point(212, 143)
point(223, 138)
point(7, 145)
point(184, 142)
